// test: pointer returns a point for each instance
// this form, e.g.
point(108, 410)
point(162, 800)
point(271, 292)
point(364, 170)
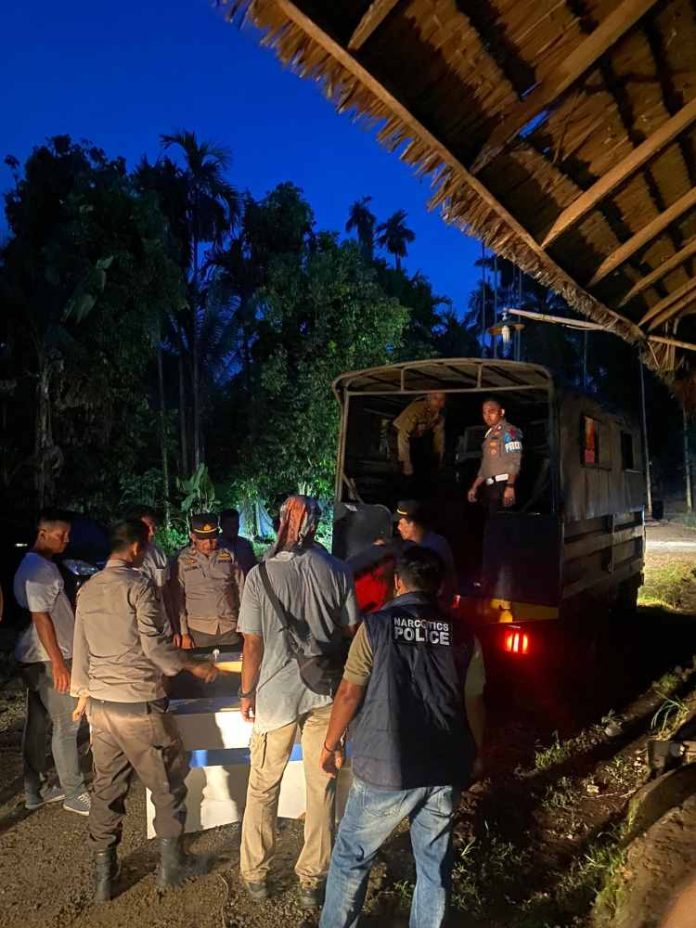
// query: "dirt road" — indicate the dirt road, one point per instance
point(520, 835)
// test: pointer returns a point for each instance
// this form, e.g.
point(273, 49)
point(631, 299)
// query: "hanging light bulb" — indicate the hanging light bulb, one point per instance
point(505, 329)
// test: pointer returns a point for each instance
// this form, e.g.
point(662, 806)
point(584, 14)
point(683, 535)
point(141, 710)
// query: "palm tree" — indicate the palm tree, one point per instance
point(394, 235)
point(211, 210)
point(363, 220)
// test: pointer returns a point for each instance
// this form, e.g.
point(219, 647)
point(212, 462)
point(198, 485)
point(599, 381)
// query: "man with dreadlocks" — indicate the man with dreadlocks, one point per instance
point(297, 608)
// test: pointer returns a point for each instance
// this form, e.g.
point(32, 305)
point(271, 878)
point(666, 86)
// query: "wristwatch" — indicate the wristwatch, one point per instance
point(248, 695)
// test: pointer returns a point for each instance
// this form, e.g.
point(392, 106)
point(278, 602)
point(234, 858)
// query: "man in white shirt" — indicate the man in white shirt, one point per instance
point(44, 652)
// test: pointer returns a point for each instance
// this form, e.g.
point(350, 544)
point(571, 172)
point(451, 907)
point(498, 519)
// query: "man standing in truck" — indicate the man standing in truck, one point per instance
point(501, 459)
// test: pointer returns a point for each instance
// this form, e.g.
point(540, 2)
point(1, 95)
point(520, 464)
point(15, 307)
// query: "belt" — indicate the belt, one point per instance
point(153, 706)
point(499, 478)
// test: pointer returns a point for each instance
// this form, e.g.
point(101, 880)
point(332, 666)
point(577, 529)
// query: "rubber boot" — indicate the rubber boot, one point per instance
point(175, 865)
point(105, 874)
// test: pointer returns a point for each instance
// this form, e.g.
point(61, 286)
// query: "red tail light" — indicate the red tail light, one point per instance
point(516, 642)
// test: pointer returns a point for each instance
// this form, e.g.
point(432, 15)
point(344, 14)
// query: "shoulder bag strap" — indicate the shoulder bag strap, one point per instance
point(279, 609)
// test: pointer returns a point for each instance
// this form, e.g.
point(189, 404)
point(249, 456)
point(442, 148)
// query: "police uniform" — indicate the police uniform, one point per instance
point(501, 459)
point(121, 655)
point(155, 567)
point(211, 590)
point(420, 438)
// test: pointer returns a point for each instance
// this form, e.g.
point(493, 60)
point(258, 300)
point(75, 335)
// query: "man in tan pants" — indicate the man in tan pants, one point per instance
point(305, 601)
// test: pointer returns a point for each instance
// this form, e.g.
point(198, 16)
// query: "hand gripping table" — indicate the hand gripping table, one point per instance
point(217, 739)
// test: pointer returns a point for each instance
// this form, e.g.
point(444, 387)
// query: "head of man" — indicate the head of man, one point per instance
point(229, 524)
point(299, 520)
point(204, 533)
point(419, 570)
point(128, 541)
point(492, 412)
point(52, 532)
point(436, 400)
point(409, 520)
point(148, 517)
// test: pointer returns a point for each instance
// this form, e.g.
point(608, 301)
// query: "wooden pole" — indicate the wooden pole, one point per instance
point(584, 360)
point(646, 446)
point(687, 462)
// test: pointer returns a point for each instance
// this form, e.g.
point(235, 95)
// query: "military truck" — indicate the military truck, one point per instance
point(570, 550)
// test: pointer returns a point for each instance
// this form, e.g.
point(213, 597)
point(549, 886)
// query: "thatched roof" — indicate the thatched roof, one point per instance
point(560, 132)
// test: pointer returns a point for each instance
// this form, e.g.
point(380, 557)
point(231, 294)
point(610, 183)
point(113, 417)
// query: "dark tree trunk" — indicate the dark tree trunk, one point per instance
point(163, 436)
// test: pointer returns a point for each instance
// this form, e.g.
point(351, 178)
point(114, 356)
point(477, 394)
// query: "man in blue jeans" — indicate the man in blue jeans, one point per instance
point(415, 680)
point(44, 653)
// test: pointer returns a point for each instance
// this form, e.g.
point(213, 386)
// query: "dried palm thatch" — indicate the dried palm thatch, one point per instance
point(560, 132)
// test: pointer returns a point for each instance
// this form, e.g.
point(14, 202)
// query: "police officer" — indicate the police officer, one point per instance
point(210, 586)
point(155, 565)
point(121, 655)
point(421, 439)
point(415, 740)
point(501, 458)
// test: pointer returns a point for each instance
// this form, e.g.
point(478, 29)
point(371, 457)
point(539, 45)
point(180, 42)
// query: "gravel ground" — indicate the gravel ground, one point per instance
point(45, 865)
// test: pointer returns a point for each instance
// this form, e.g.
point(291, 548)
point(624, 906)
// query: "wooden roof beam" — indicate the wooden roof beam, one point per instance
point(372, 19)
point(572, 68)
point(622, 171)
point(674, 342)
point(668, 301)
point(643, 236)
point(420, 132)
point(688, 251)
point(687, 303)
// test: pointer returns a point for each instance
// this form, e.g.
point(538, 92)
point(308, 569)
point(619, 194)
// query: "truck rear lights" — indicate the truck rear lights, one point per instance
point(516, 642)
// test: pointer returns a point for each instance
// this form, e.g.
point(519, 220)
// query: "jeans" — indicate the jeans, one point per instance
point(47, 708)
point(370, 817)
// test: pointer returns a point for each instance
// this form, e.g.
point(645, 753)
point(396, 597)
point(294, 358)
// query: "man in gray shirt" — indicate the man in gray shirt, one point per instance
point(44, 652)
point(316, 590)
point(121, 654)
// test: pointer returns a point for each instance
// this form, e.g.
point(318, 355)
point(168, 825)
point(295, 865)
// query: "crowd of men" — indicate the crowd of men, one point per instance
point(406, 679)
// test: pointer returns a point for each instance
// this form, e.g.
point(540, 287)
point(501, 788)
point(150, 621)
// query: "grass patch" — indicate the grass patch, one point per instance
point(665, 581)
point(555, 753)
point(484, 869)
point(672, 713)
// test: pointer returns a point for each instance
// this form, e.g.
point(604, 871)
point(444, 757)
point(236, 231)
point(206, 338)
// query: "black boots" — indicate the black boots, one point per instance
point(105, 874)
point(175, 865)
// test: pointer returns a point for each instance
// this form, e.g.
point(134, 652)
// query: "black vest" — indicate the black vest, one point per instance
point(412, 729)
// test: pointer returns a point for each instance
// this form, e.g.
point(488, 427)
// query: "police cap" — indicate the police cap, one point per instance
point(205, 525)
point(408, 509)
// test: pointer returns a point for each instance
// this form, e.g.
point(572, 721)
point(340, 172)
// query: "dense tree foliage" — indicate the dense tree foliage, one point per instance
point(158, 321)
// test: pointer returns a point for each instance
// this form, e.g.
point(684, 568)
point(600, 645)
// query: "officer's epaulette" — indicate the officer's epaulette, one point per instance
point(224, 554)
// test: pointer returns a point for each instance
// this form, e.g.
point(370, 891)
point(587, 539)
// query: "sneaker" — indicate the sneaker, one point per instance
point(79, 804)
point(46, 795)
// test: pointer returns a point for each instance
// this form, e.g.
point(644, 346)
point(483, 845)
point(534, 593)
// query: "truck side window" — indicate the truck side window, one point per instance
point(627, 459)
point(590, 441)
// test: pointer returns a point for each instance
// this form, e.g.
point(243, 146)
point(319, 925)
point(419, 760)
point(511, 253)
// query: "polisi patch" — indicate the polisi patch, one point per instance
point(409, 630)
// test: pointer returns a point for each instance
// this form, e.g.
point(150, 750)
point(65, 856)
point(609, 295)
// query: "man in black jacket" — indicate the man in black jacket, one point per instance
point(415, 681)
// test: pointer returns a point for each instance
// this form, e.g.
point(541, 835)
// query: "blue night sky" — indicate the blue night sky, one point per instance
point(121, 74)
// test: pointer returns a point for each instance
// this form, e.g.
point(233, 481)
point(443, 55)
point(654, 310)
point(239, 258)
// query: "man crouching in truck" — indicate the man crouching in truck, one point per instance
point(414, 682)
